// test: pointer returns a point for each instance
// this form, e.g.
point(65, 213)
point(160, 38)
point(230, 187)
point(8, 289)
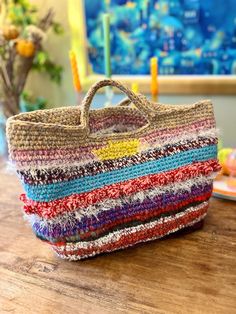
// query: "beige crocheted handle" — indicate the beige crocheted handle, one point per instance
point(140, 101)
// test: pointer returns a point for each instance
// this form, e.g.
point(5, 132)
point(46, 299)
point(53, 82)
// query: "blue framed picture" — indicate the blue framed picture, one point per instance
point(189, 37)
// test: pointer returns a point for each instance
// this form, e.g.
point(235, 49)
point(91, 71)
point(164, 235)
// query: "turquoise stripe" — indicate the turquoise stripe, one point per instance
point(57, 190)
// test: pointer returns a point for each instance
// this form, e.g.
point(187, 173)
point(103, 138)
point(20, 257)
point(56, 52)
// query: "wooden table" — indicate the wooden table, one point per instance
point(195, 273)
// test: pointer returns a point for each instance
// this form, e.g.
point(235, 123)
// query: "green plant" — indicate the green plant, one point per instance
point(28, 102)
point(44, 64)
point(21, 49)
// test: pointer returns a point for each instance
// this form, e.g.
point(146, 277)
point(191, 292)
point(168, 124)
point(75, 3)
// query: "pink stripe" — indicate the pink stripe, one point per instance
point(170, 133)
point(36, 158)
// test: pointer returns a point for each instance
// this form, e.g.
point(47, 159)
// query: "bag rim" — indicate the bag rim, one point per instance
point(17, 119)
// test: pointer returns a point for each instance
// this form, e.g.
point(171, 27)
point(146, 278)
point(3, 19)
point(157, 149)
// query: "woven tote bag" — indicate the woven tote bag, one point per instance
point(100, 180)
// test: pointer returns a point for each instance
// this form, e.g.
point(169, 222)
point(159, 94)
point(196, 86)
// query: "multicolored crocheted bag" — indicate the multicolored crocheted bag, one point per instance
point(101, 180)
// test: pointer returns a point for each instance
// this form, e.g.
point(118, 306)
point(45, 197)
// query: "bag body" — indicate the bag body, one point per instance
point(100, 180)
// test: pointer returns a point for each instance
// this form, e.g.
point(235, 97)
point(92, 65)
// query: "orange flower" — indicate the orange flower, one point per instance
point(10, 32)
point(25, 48)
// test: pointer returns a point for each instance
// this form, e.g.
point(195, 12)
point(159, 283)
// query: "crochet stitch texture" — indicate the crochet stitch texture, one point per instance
point(100, 180)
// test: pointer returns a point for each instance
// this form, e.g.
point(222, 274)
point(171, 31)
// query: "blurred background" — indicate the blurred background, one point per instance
point(174, 51)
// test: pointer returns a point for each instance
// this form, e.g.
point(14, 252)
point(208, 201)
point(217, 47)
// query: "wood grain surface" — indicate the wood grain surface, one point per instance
point(194, 273)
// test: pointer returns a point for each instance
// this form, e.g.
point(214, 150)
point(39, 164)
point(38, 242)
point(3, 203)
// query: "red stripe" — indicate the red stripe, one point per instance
point(143, 215)
point(139, 236)
point(114, 191)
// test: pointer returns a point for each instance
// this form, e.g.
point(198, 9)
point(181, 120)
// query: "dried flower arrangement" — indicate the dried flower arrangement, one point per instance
point(21, 36)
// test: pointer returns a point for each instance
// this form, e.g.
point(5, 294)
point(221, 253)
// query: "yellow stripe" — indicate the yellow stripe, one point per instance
point(117, 149)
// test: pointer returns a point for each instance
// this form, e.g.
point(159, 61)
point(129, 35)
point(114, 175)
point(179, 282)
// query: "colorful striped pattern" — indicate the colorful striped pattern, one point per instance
point(102, 194)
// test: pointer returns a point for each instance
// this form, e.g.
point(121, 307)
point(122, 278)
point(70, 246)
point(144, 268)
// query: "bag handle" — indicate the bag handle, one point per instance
point(124, 103)
point(140, 101)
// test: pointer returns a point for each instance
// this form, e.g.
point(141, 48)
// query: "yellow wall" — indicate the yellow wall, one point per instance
point(58, 46)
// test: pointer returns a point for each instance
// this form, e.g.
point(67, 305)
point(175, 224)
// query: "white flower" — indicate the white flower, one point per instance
point(35, 31)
